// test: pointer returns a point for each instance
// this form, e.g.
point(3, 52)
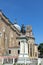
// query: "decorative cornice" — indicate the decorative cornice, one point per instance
point(30, 37)
point(22, 37)
point(14, 47)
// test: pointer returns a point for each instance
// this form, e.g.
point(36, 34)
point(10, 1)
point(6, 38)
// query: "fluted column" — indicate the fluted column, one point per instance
point(26, 47)
point(21, 47)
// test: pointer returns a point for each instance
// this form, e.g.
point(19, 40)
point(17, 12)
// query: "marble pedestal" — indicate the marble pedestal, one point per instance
point(23, 56)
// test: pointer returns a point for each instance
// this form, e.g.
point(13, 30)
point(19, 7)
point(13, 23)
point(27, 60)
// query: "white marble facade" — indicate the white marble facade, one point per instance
point(23, 56)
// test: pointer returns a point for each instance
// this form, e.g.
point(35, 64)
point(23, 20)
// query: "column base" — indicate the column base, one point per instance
point(24, 59)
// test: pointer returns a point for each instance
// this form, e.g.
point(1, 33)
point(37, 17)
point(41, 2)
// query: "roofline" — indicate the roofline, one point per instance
point(9, 22)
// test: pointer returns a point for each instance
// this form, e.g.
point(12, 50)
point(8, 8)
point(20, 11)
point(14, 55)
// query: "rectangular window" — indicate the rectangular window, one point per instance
point(9, 51)
point(18, 51)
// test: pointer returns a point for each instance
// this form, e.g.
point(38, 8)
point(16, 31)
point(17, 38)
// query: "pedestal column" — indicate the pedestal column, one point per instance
point(21, 47)
point(23, 56)
point(26, 48)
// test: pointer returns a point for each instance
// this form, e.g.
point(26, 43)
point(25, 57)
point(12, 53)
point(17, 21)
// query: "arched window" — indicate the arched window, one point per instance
point(18, 51)
point(19, 43)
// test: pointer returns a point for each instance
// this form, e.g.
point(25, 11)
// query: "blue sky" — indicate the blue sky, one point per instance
point(27, 12)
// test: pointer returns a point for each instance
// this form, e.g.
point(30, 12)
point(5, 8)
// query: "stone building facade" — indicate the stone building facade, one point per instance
point(9, 43)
